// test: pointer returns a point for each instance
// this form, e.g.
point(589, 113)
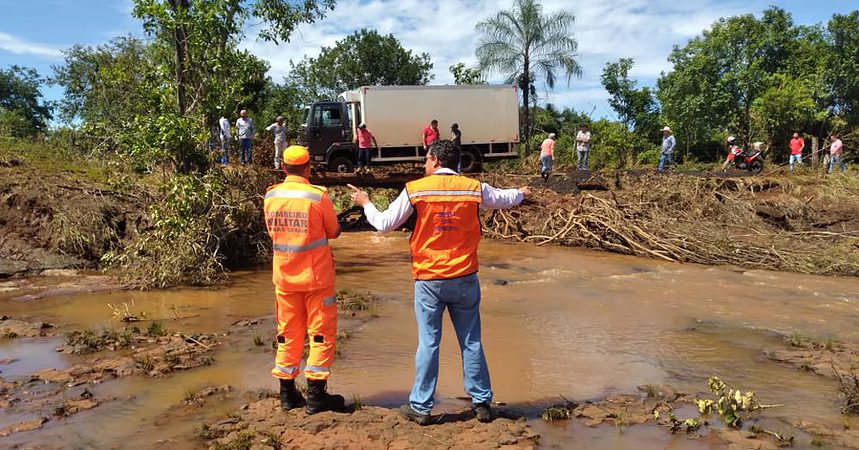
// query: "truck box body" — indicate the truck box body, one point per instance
point(397, 115)
point(488, 116)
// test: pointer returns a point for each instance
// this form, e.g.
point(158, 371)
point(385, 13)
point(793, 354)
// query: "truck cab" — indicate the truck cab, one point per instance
point(328, 135)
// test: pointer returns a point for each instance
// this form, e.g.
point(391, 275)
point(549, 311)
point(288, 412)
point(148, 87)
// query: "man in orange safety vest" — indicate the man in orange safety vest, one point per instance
point(444, 265)
point(300, 220)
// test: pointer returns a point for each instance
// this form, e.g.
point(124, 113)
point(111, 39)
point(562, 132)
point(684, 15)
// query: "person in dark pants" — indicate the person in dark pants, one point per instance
point(456, 139)
point(365, 138)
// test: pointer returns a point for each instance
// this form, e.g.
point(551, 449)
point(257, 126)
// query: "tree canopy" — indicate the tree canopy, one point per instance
point(526, 45)
point(22, 111)
point(364, 58)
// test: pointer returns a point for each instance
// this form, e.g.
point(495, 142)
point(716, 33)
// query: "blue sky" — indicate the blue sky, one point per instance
point(35, 32)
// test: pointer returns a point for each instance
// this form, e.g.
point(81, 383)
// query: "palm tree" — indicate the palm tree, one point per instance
point(524, 44)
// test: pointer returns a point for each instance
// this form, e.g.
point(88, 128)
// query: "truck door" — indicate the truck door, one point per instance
point(328, 125)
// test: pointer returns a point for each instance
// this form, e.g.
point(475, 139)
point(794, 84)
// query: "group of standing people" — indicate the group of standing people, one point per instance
point(300, 220)
point(836, 152)
point(367, 141)
point(583, 150)
point(245, 131)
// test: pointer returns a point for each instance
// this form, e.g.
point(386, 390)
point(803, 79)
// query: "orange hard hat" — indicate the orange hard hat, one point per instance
point(295, 155)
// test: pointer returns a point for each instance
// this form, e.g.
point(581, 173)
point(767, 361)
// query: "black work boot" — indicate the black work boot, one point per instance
point(290, 398)
point(318, 400)
point(416, 417)
point(484, 413)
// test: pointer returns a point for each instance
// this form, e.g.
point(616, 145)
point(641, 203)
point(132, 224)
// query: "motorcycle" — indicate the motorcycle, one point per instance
point(752, 161)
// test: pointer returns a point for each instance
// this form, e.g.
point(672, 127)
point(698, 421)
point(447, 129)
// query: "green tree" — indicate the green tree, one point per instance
point(723, 80)
point(22, 112)
point(106, 86)
point(364, 58)
point(466, 75)
point(202, 33)
point(842, 62)
point(636, 107)
point(524, 44)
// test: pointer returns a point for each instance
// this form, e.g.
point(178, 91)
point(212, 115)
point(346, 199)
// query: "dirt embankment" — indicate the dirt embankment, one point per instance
point(801, 224)
point(60, 217)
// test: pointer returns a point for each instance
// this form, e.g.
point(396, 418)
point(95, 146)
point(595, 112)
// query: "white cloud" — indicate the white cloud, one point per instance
point(20, 46)
point(645, 30)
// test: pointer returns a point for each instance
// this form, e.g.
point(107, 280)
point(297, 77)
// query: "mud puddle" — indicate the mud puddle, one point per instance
point(557, 322)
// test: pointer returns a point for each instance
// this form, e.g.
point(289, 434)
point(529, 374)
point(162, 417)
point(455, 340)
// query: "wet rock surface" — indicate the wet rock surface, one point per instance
point(263, 425)
point(12, 328)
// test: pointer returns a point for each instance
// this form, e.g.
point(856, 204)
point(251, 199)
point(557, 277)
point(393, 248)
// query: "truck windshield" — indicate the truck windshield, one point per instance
point(327, 116)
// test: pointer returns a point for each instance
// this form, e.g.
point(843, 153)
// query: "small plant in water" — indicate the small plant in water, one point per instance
point(559, 411)
point(125, 313)
point(357, 404)
point(729, 402)
point(156, 329)
point(258, 341)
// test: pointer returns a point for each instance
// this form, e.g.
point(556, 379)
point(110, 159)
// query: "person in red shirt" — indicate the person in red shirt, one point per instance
point(430, 134)
point(797, 145)
point(365, 139)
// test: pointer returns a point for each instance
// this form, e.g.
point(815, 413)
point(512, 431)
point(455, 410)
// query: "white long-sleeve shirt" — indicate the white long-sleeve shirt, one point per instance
point(224, 125)
point(401, 209)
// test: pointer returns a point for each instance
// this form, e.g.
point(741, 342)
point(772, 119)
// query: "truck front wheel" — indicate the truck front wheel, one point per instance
point(341, 164)
point(469, 161)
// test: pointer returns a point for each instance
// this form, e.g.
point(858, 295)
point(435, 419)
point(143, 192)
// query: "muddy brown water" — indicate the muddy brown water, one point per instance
point(556, 321)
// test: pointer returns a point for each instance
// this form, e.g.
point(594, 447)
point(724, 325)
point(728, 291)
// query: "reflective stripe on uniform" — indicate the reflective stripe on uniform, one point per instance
point(328, 301)
point(287, 248)
point(316, 369)
point(283, 193)
point(446, 193)
point(289, 370)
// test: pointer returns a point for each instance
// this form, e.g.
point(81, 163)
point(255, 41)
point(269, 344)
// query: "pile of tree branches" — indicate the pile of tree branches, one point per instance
point(685, 219)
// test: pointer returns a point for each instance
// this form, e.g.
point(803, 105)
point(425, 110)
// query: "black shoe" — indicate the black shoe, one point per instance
point(416, 417)
point(319, 401)
point(290, 398)
point(483, 412)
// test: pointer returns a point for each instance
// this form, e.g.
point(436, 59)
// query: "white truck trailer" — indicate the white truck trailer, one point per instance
point(488, 116)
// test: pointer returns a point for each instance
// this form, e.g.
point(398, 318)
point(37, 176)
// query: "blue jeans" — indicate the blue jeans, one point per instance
point(665, 158)
point(839, 160)
point(225, 150)
point(461, 296)
point(583, 159)
point(795, 159)
point(246, 155)
point(546, 161)
point(363, 157)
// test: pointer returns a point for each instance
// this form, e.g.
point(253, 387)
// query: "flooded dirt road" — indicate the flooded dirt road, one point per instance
point(556, 322)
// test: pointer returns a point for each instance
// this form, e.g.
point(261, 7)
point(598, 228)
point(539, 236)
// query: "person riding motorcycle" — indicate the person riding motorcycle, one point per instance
point(733, 151)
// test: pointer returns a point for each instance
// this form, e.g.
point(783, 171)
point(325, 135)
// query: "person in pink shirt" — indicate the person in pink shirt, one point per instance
point(365, 139)
point(547, 156)
point(797, 144)
point(430, 134)
point(836, 153)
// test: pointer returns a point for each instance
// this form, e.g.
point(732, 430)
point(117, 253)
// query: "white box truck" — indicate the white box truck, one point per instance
point(488, 116)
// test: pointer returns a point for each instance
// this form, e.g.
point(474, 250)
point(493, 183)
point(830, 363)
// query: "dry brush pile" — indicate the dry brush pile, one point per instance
point(806, 225)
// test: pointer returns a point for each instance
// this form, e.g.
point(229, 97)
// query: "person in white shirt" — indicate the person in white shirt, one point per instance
point(278, 129)
point(245, 130)
point(444, 265)
point(583, 146)
point(226, 138)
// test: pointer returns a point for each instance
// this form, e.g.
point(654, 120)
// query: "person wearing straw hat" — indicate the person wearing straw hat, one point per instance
point(668, 144)
point(300, 219)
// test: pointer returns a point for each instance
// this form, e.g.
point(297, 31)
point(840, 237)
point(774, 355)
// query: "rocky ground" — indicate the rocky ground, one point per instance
point(262, 424)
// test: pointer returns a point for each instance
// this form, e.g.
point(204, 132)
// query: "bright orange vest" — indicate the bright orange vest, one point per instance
point(303, 261)
point(447, 232)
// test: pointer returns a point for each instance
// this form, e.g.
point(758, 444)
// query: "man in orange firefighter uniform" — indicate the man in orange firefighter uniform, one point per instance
point(444, 264)
point(300, 220)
